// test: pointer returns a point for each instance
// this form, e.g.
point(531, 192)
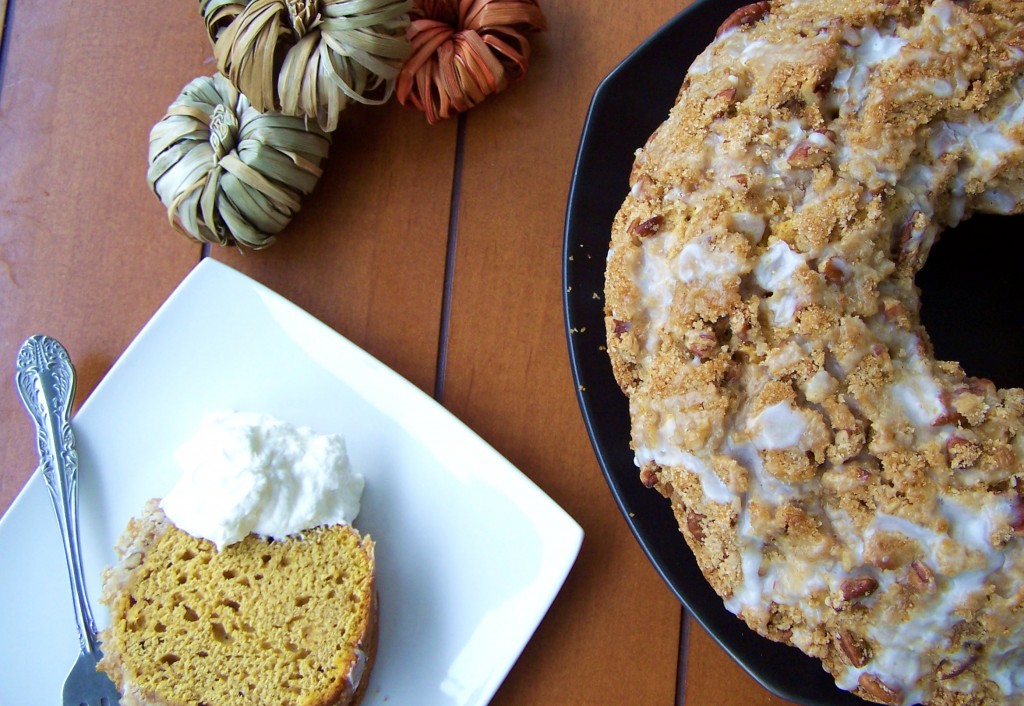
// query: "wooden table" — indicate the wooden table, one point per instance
point(435, 248)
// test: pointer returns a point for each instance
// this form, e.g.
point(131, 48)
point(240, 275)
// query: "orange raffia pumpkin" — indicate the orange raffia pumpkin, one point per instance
point(464, 51)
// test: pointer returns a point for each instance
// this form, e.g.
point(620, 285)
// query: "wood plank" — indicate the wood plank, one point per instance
point(81, 236)
point(612, 635)
point(366, 254)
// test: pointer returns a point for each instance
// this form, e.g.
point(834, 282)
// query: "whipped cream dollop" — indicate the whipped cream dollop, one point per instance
point(252, 473)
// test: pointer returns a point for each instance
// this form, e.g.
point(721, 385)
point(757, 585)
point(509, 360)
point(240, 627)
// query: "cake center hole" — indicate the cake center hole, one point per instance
point(971, 301)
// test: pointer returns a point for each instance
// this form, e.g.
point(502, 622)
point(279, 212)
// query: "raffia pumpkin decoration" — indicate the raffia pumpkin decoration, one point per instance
point(464, 51)
point(226, 173)
point(309, 57)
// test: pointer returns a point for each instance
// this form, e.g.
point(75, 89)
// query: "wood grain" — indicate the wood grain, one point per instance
point(85, 253)
point(366, 254)
point(612, 635)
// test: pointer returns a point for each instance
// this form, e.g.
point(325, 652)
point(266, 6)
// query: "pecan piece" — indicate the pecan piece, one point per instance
point(1017, 514)
point(860, 587)
point(807, 155)
point(905, 244)
point(962, 453)
point(893, 310)
point(648, 476)
point(813, 150)
point(643, 187)
point(852, 648)
point(701, 343)
point(879, 690)
point(981, 386)
point(746, 15)
point(783, 636)
point(729, 94)
point(834, 270)
point(949, 415)
point(693, 523)
point(951, 670)
point(921, 577)
point(649, 226)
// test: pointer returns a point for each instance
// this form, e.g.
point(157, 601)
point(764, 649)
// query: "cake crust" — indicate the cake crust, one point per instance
point(842, 490)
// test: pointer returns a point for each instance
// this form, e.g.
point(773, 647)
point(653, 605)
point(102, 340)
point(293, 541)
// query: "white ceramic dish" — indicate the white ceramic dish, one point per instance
point(471, 553)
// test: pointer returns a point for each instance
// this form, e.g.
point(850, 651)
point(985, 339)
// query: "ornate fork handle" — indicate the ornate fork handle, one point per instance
point(46, 383)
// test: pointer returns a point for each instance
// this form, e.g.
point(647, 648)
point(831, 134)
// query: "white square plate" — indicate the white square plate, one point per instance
point(470, 552)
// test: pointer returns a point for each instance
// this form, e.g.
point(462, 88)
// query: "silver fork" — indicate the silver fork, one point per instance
point(46, 383)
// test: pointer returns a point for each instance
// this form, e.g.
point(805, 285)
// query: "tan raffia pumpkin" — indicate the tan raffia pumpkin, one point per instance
point(309, 57)
point(226, 173)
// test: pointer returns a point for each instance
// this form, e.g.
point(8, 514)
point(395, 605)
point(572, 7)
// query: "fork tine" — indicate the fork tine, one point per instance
point(86, 686)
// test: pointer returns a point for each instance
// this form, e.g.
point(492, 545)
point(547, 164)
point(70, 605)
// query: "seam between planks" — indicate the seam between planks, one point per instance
point(449, 264)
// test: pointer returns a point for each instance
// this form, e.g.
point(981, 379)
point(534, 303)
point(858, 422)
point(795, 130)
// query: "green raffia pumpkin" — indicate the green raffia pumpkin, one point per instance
point(227, 173)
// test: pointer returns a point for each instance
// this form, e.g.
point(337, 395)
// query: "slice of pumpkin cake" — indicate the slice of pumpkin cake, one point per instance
point(282, 614)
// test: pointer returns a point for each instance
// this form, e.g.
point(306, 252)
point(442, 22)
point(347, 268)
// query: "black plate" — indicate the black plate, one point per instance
point(628, 105)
